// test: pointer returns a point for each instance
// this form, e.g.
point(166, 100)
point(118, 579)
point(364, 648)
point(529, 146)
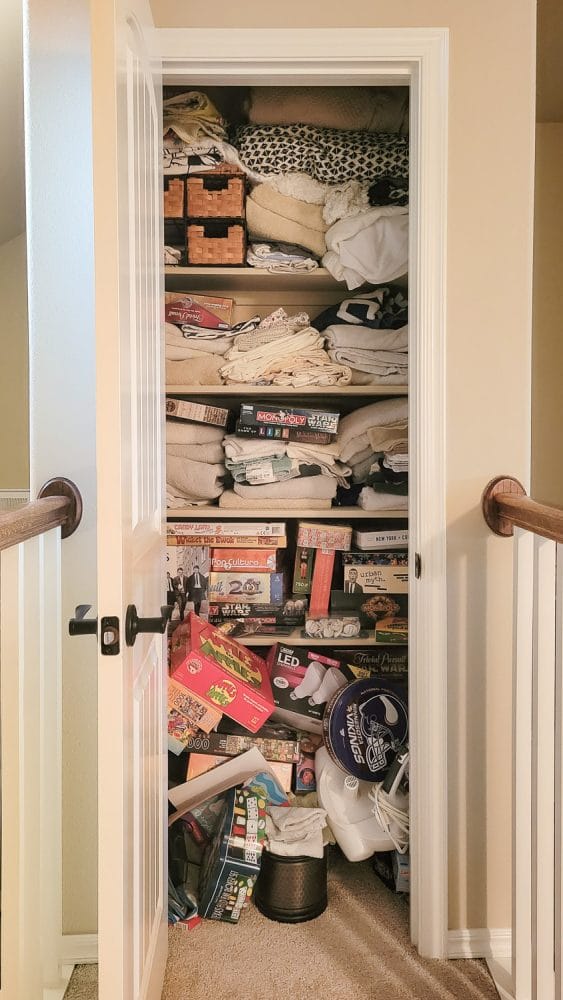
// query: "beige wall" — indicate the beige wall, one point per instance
point(488, 373)
point(547, 385)
point(14, 422)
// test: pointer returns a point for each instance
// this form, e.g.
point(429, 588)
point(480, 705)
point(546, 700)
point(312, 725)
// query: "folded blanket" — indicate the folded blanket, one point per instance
point(183, 432)
point(343, 200)
point(322, 487)
point(381, 109)
point(396, 462)
point(174, 499)
point(192, 115)
point(382, 363)
point(328, 155)
point(355, 425)
point(369, 499)
point(273, 327)
point(270, 215)
point(172, 256)
point(233, 501)
point(200, 155)
point(389, 435)
point(297, 360)
point(361, 468)
point(194, 480)
point(380, 308)
point(176, 344)
point(278, 261)
point(203, 370)
point(212, 452)
point(370, 247)
point(366, 338)
point(240, 450)
point(267, 469)
point(365, 378)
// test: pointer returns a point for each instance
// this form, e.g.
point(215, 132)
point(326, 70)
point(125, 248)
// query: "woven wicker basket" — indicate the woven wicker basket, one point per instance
point(216, 196)
point(174, 190)
point(216, 242)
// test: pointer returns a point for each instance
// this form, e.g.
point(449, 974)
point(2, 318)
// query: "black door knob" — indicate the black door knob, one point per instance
point(134, 624)
point(80, 625)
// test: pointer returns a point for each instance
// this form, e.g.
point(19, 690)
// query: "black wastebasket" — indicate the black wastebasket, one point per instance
point(292, 890)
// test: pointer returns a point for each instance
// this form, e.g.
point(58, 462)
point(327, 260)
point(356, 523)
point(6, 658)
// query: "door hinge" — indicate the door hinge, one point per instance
point(109, 635)
point(417, 565)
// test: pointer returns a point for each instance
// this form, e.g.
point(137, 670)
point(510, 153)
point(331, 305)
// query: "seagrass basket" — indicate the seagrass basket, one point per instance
point(216, 242)
point(174, 197)
point(215, 195)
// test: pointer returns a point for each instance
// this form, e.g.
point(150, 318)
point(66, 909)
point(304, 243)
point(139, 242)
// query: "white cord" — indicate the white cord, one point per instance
point(386, 814)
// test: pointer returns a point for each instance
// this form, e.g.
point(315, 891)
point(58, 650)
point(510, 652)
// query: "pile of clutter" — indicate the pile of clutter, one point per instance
point(327, 170)
point(289, 753)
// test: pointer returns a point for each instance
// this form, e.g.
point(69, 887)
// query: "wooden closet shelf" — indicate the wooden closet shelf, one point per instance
point(296, 639)
point(224, 513)
point(280, 390)
point(233, 278)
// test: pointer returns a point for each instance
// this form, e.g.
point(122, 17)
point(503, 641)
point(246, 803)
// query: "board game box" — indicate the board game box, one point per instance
point(249, 560)
point(202, 413)
point(275, 742)
point(265, 414)
point(252, 588)
point(223, 672)
point(193, 708)
point(324, 536)
point(376, 572)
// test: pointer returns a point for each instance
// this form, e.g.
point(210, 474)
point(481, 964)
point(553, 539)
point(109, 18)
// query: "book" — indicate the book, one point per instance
point(201, 310)
point(321, 582)
point(388, 538)
point(240, 529)
point(225, 560)
point(303, 570)
point(252, 588)
point(270, 415)
point(201, 413)
point(283, 434)
point(324, 536)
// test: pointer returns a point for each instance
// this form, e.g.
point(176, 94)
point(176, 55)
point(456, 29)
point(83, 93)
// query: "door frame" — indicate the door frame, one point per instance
point(419, 57)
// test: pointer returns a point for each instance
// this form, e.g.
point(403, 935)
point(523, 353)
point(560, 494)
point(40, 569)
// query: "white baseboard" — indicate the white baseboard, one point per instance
point(480, 942)
point(58, 992)
point(79, 949)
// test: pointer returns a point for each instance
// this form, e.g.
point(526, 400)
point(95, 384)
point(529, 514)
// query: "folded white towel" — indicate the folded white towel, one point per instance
point(182, 432)
point(323, 487)
point(212, 452)
point(232, 501)
point(389, 436)
point(299, 832)
point(382, 363)
point(296, 820)
point(370, 499)
point(194, 480)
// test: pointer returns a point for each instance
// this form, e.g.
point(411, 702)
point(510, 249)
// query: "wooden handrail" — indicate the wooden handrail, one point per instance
point(58, 504)
point(506, 505)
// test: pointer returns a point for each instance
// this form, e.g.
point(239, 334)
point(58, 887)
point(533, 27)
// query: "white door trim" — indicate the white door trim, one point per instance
point(202, 56)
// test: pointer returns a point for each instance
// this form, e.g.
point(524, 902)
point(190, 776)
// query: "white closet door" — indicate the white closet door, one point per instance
point(129, 426)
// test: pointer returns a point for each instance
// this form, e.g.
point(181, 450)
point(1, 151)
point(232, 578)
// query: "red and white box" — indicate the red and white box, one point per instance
point(324, 536)
point(248, 560)
point(224, 673)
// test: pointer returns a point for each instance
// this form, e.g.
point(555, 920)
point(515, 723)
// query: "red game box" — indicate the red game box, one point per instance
point(224, 673)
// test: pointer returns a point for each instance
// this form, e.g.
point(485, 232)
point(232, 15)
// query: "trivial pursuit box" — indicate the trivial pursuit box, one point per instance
point(224, 673)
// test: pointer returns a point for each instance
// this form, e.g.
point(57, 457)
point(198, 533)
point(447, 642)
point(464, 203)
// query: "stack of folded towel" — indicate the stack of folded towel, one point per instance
point(369, 334)
point(195, 466)
point(373, 441)
point(283, 350)
point(277, 256)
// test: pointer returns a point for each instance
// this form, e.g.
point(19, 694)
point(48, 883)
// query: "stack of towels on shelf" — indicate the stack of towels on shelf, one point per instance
point(282, 350)
point(277, 474)
point(195, 463)
point(369, 334)
point(373, 441)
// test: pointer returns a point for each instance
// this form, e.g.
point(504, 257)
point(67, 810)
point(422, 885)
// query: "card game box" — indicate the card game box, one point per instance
point(324, 536)
point(220, 528)
point(381, 538)
point(201, 413)
point(194, 709)
point(392, 629)
point(223, 672)
point(376, 572)
point(231, 863)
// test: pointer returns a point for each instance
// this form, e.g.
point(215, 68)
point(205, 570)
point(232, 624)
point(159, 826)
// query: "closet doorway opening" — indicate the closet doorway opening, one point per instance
point(420, 72)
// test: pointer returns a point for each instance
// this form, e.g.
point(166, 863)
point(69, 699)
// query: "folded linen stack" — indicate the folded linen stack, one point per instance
point(194, 135)
point(283, 350)
point(257, 462)
point(369, 334)
point(295, 832)
point(274, 216)
point(277, 256)
point(365, 438)
point(194, 463)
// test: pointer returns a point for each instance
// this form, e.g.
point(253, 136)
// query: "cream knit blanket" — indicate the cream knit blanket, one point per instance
point(233, 501)
point(297, 360)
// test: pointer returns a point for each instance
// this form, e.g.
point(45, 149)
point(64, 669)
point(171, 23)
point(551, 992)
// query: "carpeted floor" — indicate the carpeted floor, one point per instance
point(358, 948)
